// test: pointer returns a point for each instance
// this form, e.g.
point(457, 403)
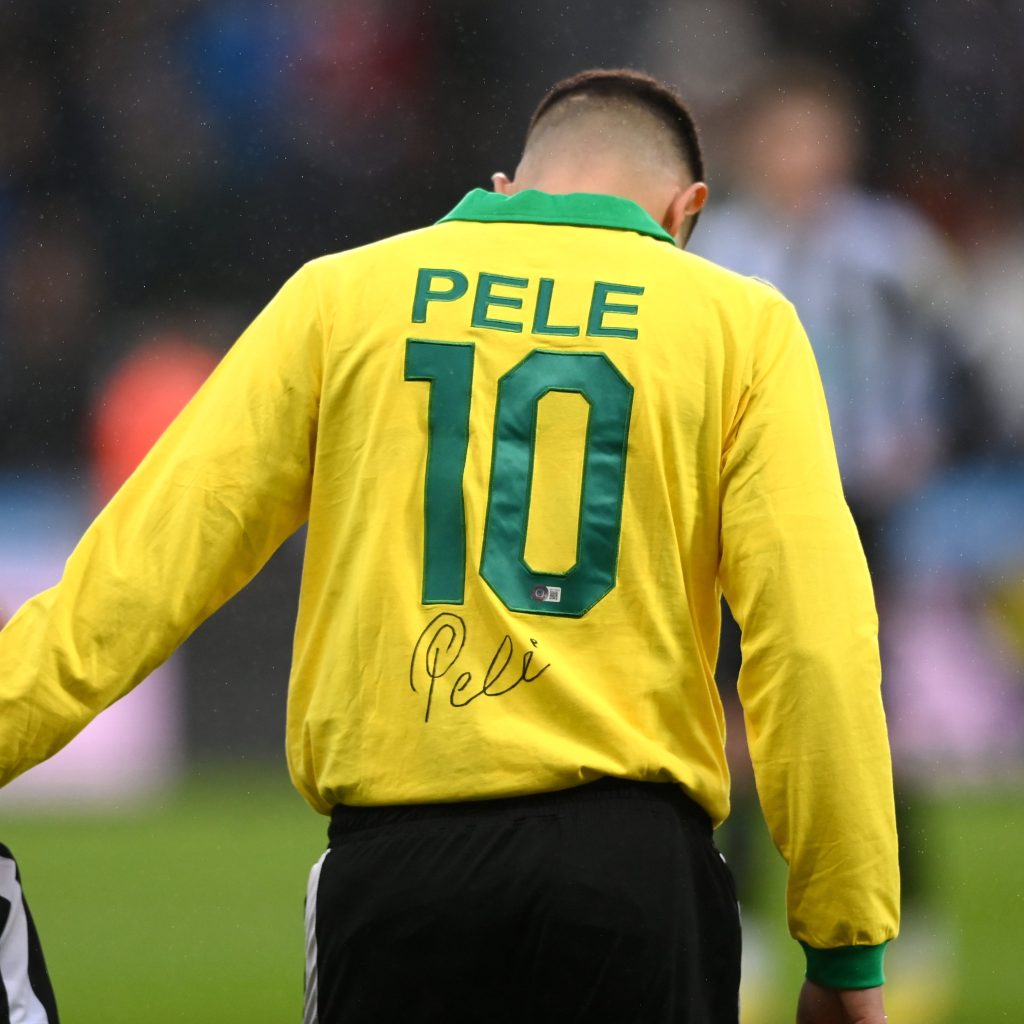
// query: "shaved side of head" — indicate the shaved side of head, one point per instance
point(614, 130)
point(584, 128)
point(625, 91)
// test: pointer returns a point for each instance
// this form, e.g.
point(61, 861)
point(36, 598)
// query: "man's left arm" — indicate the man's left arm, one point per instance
point(794, 574)
point(220, 491)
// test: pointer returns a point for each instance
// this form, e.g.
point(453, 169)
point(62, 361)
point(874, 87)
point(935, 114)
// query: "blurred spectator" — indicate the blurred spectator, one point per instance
point(870, 45)
point(872, 282)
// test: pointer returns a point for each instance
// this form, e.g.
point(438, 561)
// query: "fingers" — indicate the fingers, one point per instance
point(821, 1005)
point(862, 1006)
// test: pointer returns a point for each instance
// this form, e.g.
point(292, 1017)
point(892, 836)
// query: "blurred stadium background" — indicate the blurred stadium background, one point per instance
point(165, 166)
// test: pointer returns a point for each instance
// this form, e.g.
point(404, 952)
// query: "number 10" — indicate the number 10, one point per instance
point(448, 366)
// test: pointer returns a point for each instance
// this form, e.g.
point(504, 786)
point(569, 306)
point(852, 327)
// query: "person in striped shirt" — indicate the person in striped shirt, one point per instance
point(26, 995)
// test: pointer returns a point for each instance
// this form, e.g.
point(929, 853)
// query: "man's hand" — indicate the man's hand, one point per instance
point(820, 1005)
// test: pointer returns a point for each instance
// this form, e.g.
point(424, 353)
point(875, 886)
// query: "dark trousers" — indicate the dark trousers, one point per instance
point(603, 903)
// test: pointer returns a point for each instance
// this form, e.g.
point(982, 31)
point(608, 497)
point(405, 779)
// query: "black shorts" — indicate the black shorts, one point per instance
point(604, 903)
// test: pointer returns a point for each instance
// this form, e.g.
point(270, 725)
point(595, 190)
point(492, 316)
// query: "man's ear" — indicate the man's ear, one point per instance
point(686, 203)
point(502, 184)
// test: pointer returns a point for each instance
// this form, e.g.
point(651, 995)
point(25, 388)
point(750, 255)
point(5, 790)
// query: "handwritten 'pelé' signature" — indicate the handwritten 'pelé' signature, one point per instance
point(437, 653)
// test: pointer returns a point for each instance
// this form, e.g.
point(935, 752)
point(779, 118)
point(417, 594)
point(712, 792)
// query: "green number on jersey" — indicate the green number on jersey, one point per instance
point(449, 368)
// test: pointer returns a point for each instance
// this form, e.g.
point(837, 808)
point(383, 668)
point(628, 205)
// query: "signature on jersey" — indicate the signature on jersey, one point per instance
point(435, 659)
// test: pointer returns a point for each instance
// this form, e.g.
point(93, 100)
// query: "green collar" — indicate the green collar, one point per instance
point(583, 209)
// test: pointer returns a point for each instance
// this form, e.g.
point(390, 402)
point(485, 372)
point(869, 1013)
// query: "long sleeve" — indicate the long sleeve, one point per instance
point(221, 490)
point(794, 574)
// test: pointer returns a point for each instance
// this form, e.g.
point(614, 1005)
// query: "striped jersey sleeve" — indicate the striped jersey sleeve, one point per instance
point(26, 995)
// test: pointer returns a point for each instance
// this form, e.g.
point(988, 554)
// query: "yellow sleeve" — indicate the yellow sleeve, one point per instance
point(219, 492)
point(794, 574)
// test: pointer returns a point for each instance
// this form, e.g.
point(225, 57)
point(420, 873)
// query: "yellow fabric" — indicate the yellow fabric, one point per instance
point(730, 477)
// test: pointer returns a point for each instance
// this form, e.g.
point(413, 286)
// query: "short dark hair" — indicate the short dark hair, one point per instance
point(628, 86)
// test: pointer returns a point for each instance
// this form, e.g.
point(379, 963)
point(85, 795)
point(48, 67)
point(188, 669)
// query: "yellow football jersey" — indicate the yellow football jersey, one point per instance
point(534, 443)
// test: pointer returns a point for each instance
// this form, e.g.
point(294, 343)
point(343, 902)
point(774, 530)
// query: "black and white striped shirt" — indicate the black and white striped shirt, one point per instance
point(26, 996)
point(872, 283)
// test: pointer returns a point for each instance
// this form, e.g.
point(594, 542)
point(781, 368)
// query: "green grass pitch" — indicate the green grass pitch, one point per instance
point(192, 909)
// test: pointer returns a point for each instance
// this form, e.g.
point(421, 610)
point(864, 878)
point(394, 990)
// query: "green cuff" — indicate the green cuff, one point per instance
point(847, 966)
